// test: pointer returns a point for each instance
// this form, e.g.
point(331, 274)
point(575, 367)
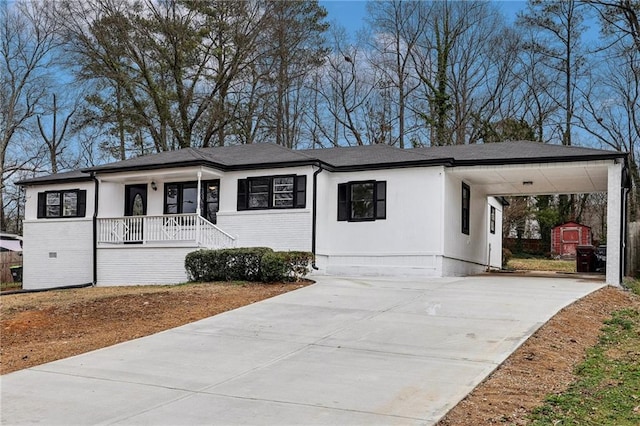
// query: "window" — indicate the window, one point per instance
point(56, 204)
point(182, 197)
point(272, 192)
point(362, 201)
point(466, 203)
point(492, 220)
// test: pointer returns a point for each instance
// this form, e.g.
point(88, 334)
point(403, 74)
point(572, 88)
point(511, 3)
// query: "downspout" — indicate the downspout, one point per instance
point(314, 215)
point(95, 228)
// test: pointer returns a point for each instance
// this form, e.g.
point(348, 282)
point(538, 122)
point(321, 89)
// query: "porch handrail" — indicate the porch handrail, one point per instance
point(212, 236)
point(163, 228)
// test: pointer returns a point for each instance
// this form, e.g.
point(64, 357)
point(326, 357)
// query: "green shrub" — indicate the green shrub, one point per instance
point(285, 266)
point(247, 264)
point(274, 267)
point(241, 264)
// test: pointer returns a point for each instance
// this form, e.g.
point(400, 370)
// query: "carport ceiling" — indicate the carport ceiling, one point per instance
point(535, 179)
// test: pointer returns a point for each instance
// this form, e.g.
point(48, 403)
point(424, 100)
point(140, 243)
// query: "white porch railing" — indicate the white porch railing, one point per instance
point(188, 228)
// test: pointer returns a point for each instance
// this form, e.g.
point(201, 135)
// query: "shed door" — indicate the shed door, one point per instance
point(570, 240)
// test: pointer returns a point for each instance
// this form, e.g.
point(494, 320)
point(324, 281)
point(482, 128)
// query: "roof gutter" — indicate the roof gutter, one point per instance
point(314, 214)
point(539, 160)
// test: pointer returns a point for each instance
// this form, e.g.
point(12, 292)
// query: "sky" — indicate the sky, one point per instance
point(351, 13)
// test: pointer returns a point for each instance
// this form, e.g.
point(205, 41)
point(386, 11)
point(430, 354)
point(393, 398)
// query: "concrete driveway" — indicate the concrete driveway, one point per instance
point(343, 351)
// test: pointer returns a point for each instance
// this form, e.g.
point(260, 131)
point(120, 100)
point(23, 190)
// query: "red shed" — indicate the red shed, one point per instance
point(566, 237)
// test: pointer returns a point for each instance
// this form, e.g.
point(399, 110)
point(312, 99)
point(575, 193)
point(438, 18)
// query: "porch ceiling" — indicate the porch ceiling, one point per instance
point(535, 179)
point(175, 174)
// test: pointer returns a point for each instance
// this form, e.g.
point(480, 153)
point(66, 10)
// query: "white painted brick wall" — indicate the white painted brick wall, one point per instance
point(278, 229)
point(57, 252)
point(138, 265)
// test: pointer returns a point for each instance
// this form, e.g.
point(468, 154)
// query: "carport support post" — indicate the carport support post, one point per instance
point(614, 223)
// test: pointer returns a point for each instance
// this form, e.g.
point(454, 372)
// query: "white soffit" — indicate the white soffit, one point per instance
point(175, 174)
point(534, 179)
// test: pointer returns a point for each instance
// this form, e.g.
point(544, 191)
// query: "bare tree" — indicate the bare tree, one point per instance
point(535, 92)
point(398, 27)
point(611, 111)
point(172, 65)
point(463, 60)
point(620, 20)
point(559, 26)
point(295, 32)
point(480, 72)
point(431, 61)
point(54, 141)
point(343, 86)
point(28, 44)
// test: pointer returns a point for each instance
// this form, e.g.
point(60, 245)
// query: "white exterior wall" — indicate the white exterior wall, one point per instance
point(138, 265)
point(614, 224)
point(408, 242)
point(280, 229)
point(495, 240)
point(111, 202)
point(464, 254)
point(57, 252)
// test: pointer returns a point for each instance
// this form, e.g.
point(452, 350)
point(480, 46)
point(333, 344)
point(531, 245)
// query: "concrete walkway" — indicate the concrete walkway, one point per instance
point(343, 351)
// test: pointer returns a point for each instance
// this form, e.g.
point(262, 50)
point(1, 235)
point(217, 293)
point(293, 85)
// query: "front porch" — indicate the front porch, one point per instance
point(171, 229)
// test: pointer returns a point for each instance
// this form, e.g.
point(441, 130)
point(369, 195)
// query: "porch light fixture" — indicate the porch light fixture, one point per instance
point(527, 182)
point(154, 186)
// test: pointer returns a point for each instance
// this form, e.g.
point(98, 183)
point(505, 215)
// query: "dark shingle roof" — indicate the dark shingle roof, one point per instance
point(514, 153)
point(74, 176)
point(366, 156)
point(267, 155)
point(228, 157)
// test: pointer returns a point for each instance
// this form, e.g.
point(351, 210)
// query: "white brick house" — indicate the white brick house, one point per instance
point(373, 210)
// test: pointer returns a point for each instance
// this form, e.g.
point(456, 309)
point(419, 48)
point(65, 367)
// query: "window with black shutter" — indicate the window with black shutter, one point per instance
point(62, 204)
point(272, 192)
point(362, 201)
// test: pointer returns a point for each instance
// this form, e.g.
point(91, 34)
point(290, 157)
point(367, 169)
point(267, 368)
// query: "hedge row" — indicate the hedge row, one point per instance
point(247, 264)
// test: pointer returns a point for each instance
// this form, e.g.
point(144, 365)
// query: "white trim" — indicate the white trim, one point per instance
point(378, 254)
point(58, 219)
point(198, 196)
point(261, 212)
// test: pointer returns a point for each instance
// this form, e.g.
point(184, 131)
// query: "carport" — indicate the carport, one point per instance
point(550, 170)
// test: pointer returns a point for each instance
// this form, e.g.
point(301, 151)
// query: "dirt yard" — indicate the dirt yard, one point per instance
point(41, 327)
point(544, 364)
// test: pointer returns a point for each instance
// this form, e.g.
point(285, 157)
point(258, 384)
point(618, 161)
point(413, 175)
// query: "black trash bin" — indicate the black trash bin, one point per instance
point(585, 259)
point(16, 273)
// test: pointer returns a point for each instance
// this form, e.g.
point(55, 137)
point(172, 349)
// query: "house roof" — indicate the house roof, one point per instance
point(369, 156)
point(73, 176)
point(516, 152)
point(225, 158)
point(267, 155)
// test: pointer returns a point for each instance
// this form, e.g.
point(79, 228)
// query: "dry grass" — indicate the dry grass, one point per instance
point(542, 265)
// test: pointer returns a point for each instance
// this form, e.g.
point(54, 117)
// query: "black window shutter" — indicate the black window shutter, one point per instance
point(301, 192)
point(381, 200)
point(466, 204)
point(42, 204)
point(343, 201)
point(242, 194)
point(82, 203)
